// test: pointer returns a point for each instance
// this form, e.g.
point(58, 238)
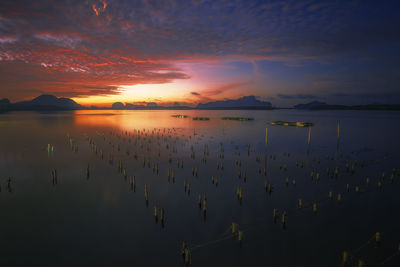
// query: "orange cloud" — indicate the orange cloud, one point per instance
point(95, 9)
point(219, 91)
point(99, 7)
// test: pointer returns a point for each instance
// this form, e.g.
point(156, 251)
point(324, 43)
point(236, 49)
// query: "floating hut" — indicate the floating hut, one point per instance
point(236, 119)
point(180, 116)
point(201, 118)
point(292, 123)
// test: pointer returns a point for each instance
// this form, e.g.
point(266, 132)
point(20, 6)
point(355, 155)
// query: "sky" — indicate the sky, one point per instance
point(185, 52)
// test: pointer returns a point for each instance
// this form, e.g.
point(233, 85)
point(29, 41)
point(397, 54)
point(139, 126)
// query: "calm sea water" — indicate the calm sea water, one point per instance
point(104, 220)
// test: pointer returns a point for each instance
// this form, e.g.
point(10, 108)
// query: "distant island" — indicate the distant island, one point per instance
point(42, 102)
point(316, 105)
point(50, 103)
point(246, 102)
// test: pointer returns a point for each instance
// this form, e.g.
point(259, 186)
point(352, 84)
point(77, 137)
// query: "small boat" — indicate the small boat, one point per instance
point(180, 116)
point(291, 123)
point(237, 119)
point(201, 118)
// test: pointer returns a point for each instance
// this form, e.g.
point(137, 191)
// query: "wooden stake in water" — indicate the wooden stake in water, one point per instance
point(199, 201)
point(345, 257)
point(235, 227)
point(146, 195)
point(338, 140)
point(266, 138)
point(204, 208)
point(156, 214)
point(275, 214)
point(162, 217)
point(284, 219)
point(309, 135)
point(188, 257)
point(133, 183)
point(377, 238)
point(240, 237)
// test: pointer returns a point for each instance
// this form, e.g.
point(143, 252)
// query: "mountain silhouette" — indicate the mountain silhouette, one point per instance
point(118, 105)
point(48, 102)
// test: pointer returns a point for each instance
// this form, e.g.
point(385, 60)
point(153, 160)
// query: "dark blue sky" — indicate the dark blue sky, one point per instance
point(96, 51)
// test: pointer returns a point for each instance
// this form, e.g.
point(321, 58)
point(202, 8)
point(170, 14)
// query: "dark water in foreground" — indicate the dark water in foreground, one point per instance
point(103, 220)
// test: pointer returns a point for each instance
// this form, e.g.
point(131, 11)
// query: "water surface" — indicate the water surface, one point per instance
point(103, 220)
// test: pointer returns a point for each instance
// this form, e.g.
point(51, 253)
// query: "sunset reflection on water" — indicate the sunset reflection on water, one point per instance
point(42, 217)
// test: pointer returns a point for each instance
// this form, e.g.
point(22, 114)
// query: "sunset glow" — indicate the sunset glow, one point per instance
point(98, 52)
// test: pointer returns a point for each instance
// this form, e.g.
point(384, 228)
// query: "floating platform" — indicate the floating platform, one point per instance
point(236, 119)
point(201, 118)
point(292, 123)
point(180, 116)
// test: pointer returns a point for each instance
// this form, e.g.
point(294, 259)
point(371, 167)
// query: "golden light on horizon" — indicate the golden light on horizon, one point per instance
point(159, 93)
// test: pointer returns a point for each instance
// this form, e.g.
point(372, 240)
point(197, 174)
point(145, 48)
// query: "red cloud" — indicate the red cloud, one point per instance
point(73, 72)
